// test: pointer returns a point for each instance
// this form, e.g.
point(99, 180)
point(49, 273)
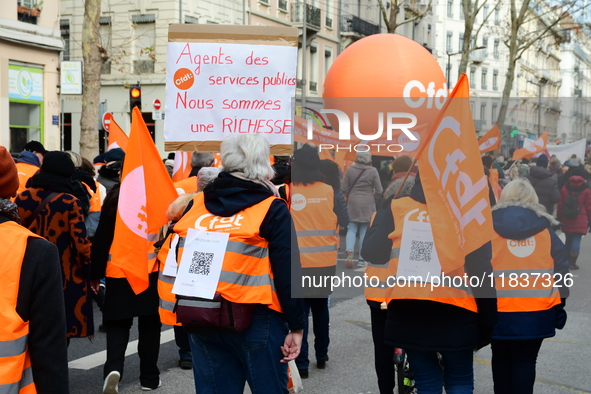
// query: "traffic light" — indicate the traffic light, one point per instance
point(135, 98)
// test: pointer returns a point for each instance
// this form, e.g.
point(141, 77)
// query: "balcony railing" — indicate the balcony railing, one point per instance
point(282, 4)
point(354, 24)
point(479, 124)
point(312, 14)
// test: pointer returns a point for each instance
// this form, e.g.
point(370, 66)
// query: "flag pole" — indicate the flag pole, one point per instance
point(412, 165)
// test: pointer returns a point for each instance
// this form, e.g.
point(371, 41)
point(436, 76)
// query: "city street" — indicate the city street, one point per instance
point(563, 365)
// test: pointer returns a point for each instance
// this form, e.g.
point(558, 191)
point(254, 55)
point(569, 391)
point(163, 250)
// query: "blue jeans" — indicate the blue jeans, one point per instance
point(224, 362)
point(353, 229)
point(458, 371)
point(320, 322)
point(573, 243)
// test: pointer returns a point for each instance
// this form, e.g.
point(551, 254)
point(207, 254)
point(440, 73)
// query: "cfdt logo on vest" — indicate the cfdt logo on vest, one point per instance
point(209, 221)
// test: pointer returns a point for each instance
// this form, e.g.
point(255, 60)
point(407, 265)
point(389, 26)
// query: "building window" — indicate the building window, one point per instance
point(485, 45)
point(483, 112)
point(485, 13)
point(473, 77)
point(497, 15)
point(145, 44)
point(494, 113)
point(496, 49)
point(65, 33)
point(327, 60)
point(483, 79)
point(462, 11)
point(450, 8)
point(495, 79)
point(282, 4)
point(448, 41)
point(28, 13)
point(105, 40)
point(25, 124)
point(313, 69)
point(461, 42)
point(448, 75)
point(191, 20)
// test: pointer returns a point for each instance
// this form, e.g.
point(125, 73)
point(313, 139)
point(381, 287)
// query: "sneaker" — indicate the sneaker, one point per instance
point(186, 364)
point(111, 385)
point(303, 373)
point(152, 388)
point(350, 263)
point(362, 263)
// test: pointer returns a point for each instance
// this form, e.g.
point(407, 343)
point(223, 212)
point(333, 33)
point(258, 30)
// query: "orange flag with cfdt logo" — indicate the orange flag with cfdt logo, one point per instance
point(491, 140)
point(538, 146)
point(117, 137)
point(146, 192)
point(182, 166)
point(454, 183)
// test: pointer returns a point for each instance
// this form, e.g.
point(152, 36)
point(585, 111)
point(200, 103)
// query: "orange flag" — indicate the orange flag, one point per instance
point(454, 183)
point(538, 146)
point(182, 166)
point(145, 194)
point(117, 137)
point(491, 140)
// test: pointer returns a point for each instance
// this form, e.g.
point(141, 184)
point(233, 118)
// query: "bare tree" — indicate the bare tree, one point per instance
point(520, 39)
point(94, 56)
point(390, 18)
point(471, 9)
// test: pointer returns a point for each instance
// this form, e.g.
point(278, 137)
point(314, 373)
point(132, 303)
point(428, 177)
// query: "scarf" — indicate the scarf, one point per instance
point(265, 183)
point(10, 210)
point(52, 182)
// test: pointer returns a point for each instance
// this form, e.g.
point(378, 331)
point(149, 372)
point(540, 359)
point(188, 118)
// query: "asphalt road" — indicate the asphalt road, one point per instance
point(564, 363)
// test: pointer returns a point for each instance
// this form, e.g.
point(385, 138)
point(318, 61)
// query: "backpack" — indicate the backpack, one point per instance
point(570, 209)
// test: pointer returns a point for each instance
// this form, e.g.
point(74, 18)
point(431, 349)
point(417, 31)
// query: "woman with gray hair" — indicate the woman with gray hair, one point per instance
point(361, 186)
point(257, 268)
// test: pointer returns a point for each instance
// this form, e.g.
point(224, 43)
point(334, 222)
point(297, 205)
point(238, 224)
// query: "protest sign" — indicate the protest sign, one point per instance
point(223, 80)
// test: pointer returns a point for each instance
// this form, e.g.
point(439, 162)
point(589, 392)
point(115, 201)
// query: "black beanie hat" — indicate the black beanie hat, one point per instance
point(58, 163)
point(306, 158)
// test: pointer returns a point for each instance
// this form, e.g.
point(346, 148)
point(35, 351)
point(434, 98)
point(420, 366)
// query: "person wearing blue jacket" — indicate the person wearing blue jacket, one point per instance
point(525, 245)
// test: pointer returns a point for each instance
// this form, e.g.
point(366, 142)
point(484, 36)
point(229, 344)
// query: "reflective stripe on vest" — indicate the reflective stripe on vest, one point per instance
point(15, 372)
point(312, 209)
point(165, 284)
point(246, 275)
point(523, 271)
point(447, 293)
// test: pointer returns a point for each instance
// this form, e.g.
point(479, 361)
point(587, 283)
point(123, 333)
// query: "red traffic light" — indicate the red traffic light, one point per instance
point(135, 92)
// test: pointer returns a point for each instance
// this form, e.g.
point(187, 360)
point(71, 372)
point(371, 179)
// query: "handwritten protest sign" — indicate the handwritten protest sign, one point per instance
point(224, 80)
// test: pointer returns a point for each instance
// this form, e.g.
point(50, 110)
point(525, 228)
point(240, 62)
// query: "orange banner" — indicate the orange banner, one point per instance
point(117, 137)
point(491, 140)
point(454, 183)
point(146, 192)
point(538, 146)
point(182, 166)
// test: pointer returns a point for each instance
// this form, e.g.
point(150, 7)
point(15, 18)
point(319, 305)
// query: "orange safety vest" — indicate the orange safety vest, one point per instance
point(25, 171)
point(16, 375)
point(447, 292)
point(165, 284)
point(96, 202)
point(186, 186)
point(312, 210)
point(531, 260)
point(246, 277)
point(494, 182)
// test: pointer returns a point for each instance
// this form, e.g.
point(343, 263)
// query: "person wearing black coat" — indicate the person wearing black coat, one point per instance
point(424, 327)
point(574, 168)
point(545, 184)
point(121, 305)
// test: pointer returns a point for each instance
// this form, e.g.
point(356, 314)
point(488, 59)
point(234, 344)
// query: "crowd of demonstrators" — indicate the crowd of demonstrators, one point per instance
point(361, 186)
point(523, 323)
point(317, 213)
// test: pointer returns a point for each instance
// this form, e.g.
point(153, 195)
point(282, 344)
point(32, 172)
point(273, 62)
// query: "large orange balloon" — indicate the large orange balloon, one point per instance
point(393, 74)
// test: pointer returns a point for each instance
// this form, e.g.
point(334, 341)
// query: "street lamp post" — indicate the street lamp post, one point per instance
point(539, 84)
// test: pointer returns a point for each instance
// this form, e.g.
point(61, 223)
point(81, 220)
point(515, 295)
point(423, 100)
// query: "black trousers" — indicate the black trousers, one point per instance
point(148, 347)
point(383, 353)
point(514, 365)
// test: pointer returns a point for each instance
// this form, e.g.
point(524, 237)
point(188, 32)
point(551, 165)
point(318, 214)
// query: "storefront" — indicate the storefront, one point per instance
point(26, 108)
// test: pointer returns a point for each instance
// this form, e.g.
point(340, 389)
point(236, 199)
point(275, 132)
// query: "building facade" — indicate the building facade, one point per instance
point(30, 47)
